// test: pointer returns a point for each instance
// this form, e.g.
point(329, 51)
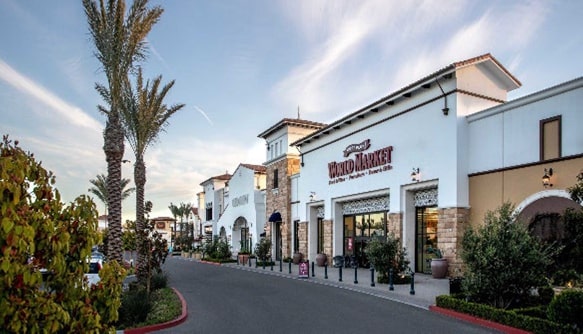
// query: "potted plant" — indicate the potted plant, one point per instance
point(438, 263)
point(321, 259)
point(298, 257)
point(243, 254)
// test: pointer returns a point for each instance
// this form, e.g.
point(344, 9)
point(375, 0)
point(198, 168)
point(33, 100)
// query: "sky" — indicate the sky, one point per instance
point(240, 66)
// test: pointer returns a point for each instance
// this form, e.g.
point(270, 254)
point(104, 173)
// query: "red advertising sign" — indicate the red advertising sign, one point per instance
point(304, 269)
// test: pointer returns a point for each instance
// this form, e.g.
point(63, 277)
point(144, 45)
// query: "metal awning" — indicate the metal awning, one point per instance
point(275, 217)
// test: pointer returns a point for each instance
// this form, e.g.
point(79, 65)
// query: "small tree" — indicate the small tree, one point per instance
point(263, 248)
point(385, 254)
point(503, 261)
point(40, 232)
point(154, 248)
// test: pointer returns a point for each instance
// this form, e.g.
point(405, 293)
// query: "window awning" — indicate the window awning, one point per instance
point(275, 217)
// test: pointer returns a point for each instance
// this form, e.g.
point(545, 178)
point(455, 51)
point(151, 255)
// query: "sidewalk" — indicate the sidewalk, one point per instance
point(426, 288)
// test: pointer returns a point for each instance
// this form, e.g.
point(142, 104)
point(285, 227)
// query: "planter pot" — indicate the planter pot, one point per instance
point(298, 257)
point(439, 268)
point(321, 260)
point(243, 258)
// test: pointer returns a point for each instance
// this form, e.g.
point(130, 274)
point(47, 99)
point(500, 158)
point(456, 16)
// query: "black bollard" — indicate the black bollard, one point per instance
point(412, 292)
point(256, 264)
point(271, 264)
point(391, 287)
point(326, 271)
point(280, 264)
point(340, 274)
point(237, 260)
point(249, 260)
point(263, 263)
point(355, 275)
point(371, 276)
point(313, 274)
point(289, 267)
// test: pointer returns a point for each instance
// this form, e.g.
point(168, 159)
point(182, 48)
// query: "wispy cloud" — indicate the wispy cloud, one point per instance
point(157, 54)
point(71, 113)
point(203, 114)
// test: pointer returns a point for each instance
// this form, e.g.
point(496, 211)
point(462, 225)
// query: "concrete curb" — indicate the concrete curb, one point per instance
point(478, 321)
point(175, 322)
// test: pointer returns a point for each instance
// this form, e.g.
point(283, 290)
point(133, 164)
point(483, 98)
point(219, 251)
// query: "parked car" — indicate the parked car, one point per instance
point(95, 264)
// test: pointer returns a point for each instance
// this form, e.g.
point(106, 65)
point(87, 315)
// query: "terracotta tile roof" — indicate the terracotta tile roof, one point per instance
point(223, 177)
point(257, 168)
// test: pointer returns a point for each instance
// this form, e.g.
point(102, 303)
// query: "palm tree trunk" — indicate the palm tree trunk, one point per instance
point(114, 149)
point(140, 180)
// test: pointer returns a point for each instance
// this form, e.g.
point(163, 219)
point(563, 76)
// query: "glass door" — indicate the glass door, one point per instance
point(426, 237)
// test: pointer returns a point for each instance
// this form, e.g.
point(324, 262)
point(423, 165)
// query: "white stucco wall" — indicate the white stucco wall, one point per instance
point(508, 135)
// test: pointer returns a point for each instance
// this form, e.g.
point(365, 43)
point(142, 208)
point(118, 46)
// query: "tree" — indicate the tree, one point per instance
point(503, 261)
point(175, 213)
point(144, 116)
point(119, 43)
point(39, 235)
point(576, 191)
point(385, 254)
point(99, 188)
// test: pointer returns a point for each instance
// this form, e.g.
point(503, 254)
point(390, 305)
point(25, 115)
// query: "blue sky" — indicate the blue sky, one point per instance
point(242, 66)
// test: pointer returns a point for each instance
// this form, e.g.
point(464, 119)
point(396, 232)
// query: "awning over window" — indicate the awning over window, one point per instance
point(275, 217)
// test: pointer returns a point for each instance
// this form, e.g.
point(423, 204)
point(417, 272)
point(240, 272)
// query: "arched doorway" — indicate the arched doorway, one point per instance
point(542, 214)
point(241, 237)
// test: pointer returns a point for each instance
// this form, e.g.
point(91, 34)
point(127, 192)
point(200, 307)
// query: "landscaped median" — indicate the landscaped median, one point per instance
point(168, 324)
point(508, 321)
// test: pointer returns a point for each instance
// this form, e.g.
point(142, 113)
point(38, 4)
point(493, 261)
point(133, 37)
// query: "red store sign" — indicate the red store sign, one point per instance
point(361, 164)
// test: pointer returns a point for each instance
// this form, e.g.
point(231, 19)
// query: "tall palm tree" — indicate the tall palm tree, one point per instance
point(99, 188)
point(119, 43)
point(175, 212)
point(144, 116)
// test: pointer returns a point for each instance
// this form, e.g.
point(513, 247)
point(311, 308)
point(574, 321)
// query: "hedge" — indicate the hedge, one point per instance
point(505, 317)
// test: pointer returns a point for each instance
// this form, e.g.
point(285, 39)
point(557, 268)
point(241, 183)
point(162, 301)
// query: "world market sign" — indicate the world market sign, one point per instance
point(241, 200)
point(362, 164)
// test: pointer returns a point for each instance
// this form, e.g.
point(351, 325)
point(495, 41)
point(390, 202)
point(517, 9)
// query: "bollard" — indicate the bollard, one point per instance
point(249, 260)
point(326, 271)
point(280, 264)
point(356, 275)
point(263, 263)
point(340, 274)
point(412, 292)
point(271, 264)
point(237, 259)
point(313, 269)
point(391, 287)
point(289, 267)
point(256, 264)
point(371, 276)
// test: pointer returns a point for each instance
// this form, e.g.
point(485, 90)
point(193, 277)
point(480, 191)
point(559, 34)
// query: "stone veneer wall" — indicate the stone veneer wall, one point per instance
point(303, 238)
point(280, 200)
point(451, 226)
point(328, 236)
point(395, 224)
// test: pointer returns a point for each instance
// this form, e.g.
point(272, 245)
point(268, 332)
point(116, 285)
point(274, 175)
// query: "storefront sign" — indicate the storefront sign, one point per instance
point(362, 164)
point(241, 200)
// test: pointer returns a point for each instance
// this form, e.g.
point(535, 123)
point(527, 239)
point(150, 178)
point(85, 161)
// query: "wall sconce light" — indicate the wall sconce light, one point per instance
point(547, 178)
point(312, 196)
point(415, 175)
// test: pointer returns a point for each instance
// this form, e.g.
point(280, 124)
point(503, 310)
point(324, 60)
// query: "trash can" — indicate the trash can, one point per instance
point(338, 261)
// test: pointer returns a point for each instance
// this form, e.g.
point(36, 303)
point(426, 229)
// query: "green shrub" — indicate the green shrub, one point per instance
point(385, 254)
point(263, 248)
point(159, 281)
point(135, 307)
point(503, 261)
point(567, 307)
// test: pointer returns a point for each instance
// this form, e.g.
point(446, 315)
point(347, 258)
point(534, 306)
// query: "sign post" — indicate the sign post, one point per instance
point(304, 269)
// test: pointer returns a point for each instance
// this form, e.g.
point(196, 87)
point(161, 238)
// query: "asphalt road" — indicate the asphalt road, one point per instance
point(227, 300)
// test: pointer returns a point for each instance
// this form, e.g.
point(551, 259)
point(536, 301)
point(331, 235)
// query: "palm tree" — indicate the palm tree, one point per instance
point(119, 43)
point(99, 188)
point(144, 116)
point(175, 212)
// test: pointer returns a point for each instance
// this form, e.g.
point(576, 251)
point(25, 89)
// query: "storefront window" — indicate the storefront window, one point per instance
point(359, 229)
point(426, 237)
point(320, 235)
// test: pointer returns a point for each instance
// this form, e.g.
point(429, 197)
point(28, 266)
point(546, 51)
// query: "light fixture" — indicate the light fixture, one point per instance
point(416, 175)
point(312, 196)
point(547, 178)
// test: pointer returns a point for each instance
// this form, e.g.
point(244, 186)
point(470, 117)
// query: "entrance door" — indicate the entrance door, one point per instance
point(359, 230)
point(278, 241)
point(425, 237)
